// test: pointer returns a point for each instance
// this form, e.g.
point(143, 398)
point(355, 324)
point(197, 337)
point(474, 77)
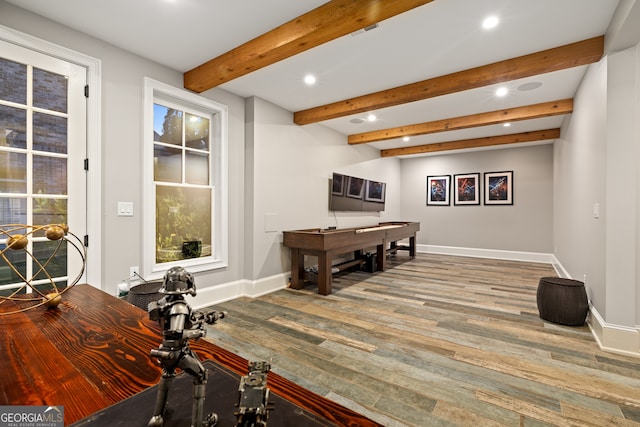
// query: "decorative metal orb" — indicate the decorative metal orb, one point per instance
point(17, 242)
point(51, 300)
point(40, 289)
point(55, 232)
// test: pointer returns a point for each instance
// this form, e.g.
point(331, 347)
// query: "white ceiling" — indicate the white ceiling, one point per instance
point(435, 39)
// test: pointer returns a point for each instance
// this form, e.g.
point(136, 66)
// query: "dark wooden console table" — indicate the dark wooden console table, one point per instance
point(93, 351)
point(327, 244)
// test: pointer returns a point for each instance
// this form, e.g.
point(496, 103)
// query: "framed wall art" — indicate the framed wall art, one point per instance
point(374, 191)
point(356, 188)
point(498, 188)
point(338, 184)
point(466, 189)
point(438, 190)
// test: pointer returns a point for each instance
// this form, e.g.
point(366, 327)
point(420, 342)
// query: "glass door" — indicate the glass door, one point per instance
point(42, 152)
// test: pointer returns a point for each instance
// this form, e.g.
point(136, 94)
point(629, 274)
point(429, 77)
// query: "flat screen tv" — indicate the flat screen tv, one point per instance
point(350, 193)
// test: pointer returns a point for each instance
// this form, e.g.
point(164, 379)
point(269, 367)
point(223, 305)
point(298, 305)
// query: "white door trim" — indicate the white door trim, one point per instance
point(94, 182)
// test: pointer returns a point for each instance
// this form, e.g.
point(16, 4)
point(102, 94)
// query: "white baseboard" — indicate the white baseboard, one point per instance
point(266, 285)
point(614, 338)
point(240, 288)
point(562, 272)
point(487, 253)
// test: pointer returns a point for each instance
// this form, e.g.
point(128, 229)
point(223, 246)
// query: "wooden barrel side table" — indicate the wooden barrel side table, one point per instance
point(562, 301)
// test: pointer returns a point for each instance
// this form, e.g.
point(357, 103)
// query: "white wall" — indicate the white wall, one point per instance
point(623, 143)
point(121, 150)
point(579, 184)
point(291, 166)
point(597, 163)
point(525, 227)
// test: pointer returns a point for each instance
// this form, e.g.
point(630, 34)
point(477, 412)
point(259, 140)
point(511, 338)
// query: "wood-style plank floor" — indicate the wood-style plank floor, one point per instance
point(437, 341)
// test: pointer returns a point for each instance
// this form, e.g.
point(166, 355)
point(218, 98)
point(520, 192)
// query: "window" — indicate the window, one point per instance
point(185, 194)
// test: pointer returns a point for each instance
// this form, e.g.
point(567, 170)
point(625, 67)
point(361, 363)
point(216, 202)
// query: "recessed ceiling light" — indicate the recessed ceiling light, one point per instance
point(310, 79)
point(502, 91)
point(371, 117)
point(506, 124)
point(406, 139)
point(529, 86)
point(490, 22)
point(357, 121)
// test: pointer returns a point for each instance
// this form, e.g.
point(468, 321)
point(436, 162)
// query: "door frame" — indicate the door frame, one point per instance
point(93, 140)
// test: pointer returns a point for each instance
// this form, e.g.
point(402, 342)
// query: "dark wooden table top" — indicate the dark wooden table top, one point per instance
point(93, 351)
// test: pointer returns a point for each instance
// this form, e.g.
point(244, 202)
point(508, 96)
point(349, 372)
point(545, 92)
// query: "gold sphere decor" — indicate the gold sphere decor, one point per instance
point(40, 288)
point(51, 300)
point(54, 232)
point(17, 241)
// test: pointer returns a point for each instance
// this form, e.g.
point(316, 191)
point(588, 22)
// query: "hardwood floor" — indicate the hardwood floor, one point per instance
point(437, 341)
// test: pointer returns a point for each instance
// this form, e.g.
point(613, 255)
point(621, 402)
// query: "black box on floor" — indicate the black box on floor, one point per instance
point(370, 263)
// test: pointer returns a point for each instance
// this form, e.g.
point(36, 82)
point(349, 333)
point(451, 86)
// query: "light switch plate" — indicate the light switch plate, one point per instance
point(125, 208)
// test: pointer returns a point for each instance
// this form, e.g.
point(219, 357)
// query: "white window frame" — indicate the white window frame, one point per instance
point(155, 92)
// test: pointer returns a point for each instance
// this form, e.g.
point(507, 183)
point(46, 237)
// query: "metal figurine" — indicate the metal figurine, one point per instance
point(253, 401)
point(179, 325)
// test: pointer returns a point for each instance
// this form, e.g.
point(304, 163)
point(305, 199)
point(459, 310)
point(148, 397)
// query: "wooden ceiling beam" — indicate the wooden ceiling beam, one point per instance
point(330, 21)
point(536, 111)
point(559, 58)
point(489, 141)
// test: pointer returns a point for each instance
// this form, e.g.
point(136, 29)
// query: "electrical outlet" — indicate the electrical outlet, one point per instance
point(134, 271)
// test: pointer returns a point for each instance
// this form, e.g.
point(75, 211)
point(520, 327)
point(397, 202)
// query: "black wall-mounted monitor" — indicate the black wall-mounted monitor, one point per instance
point(349, 193)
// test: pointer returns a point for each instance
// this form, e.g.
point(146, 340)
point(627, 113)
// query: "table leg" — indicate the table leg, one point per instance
point(381, 256)
point(324, 273)
point(412, 246)
point(297, 269)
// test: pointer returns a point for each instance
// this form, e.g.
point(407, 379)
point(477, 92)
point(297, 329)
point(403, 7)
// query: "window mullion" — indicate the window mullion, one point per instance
point(29, 165)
